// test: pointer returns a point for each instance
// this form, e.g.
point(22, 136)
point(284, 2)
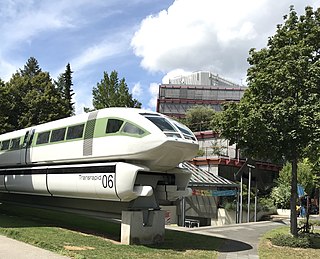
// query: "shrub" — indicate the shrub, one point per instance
point(312, 222)
point(266, 204)
point(302, 241)
point(281, 195)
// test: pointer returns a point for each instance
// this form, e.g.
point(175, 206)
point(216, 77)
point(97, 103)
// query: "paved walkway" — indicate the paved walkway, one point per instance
point(241, 240)
point(13, 249)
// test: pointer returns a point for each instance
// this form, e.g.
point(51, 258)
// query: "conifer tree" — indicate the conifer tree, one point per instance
point(33, 98)
point(64, 85)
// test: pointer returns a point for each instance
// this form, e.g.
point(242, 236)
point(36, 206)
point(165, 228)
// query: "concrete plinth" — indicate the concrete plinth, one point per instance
point(142, 227)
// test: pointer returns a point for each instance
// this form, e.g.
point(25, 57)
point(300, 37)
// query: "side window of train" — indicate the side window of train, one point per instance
point(132, 129)
point(75, 132)
point(113, 125)
point(15, 144)
point(5, 144)
point(43, 138)
point(57, 135)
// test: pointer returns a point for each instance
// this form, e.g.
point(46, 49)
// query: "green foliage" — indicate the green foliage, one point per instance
point(112, 92)
point(198, 118)
point(200, 152)
point(64, 85)
point(291, 241)
point(217, 147)
point(271, 251)
point(267, 204)
point(31, 68)
point(29, 98)
point(312, 222)
point(4, 108)
point(279, 115)
point(307, 178)
point(281, 195)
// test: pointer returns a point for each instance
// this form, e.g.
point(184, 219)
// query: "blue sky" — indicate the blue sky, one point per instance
point(145, 41)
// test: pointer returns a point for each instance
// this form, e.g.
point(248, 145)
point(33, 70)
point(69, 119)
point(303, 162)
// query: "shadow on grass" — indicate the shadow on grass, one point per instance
point(13, 216)
point(180, 240)
point(22, 217)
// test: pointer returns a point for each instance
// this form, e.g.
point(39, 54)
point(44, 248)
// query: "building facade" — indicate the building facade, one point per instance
point(225, 160)
point(199, 88)
point(217, 157)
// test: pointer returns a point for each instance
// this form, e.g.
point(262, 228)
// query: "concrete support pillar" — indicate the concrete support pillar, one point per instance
point(142, 227)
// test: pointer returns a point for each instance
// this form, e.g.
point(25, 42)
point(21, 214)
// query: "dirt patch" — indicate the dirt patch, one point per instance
point(78, 248)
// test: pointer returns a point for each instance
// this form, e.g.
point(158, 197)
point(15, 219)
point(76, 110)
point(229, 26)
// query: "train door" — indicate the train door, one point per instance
point(25, 155)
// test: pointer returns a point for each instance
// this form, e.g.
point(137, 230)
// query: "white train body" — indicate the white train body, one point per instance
point(117, 181)
point(116, 154)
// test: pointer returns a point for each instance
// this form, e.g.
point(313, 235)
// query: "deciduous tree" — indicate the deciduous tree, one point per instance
point(112, 92)
point(279, 115)
point(198, 118)
point(4, 108)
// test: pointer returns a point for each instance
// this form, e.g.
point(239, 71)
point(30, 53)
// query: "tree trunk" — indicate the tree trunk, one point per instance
point(293, 199)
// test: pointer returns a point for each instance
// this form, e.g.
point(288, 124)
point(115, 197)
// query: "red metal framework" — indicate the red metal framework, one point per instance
point(234, 162)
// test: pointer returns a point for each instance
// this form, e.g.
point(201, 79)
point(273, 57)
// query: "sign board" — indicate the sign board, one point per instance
point(224, 193)
point(214, 192)
point(300, 191)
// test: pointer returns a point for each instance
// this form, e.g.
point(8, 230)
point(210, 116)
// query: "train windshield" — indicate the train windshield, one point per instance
point(162, 123)
point(171, 127)
point(187, 133)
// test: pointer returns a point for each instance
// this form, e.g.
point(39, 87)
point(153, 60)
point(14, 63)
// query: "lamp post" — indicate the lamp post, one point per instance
point(249, 190)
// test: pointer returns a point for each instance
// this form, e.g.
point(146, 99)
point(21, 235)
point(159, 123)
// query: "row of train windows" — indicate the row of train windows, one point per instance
point(74, 132)
point(12, 144)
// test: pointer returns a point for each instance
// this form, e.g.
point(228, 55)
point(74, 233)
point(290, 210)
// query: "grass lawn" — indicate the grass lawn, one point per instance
point(268, 251)
point(82, 237)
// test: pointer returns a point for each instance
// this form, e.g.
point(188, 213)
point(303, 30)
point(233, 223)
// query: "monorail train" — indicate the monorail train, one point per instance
point(115, 154)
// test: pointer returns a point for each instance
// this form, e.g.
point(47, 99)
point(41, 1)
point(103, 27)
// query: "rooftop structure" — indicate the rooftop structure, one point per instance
point(201, 177)
point(199, 88)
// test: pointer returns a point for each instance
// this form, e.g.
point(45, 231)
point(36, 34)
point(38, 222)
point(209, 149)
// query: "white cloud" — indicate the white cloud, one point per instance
point(83, 96)
point(96, 53)
point(23, 20)
point(137, 90)
point(153, 90)
point(174, 73)
point(209, 34)
point(6, 69)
